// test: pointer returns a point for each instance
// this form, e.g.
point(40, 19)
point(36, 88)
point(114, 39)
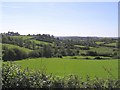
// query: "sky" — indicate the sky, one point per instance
point(61, 18)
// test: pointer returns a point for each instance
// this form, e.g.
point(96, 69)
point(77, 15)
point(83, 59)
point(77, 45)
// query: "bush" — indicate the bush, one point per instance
point(60, 56)
point(91, 53)
point(14, 77)
point(98, 57)
point(74, 58)
point(116, 56)
point(14, 54)
point(20, 54)
point(35, 53)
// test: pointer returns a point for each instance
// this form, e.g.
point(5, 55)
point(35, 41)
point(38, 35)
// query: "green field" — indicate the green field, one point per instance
point(66, 66)
point(23, 37)
point(99, 43)
point(111, 44)
point(32, 40)
point(41, 42)
point(10, 46)
point(102, 50)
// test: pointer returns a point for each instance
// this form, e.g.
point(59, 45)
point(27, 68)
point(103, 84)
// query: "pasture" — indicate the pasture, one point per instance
point(65, 66)
point(11, 46)
point(102, 50)
point(111, 44)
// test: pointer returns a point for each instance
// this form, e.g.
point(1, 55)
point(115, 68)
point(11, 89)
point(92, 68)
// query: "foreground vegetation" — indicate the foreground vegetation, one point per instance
point(15, 77)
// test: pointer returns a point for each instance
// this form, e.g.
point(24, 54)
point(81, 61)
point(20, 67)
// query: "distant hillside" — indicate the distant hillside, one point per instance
point(45, 45)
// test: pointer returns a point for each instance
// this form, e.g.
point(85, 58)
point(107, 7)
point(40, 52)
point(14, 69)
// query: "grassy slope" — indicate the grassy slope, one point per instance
point(15, 46)
point(66, 66)
point(32, 40)
point(23, 37)
point(99, 43)
point(81, 46)
point(102, 50)
point(99, 50)
point(111, 44)
point(41, 42)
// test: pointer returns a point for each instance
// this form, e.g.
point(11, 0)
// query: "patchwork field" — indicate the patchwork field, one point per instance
point(66, 66)
point(10, 46)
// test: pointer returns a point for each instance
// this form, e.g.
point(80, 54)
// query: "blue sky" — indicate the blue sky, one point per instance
point(61, 19)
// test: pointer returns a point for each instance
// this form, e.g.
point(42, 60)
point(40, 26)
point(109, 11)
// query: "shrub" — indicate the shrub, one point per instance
point(35, 53)
point(14, 77)
point(14, 54)
point(91, 53)
point(98, 57)
point(74, 58)
point(20, 54)
point(116, 57)
point(60, 56)
point(87, 58)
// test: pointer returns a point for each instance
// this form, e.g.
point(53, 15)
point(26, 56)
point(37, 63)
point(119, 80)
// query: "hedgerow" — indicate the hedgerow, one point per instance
point(15, 77)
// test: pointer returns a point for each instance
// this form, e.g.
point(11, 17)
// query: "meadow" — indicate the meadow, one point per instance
point(10, 46)
point(67, 65)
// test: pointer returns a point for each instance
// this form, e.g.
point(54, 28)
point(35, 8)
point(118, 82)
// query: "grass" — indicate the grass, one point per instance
point(32, 40)
point(99, 43)
point(23, 37)
point(41, 42)
point(83, 57)
point(80, 67)
point(111, 44)
point(0, 63)
point(15, 46)
point(102, 50)
point(81, 46)
point(99, 50)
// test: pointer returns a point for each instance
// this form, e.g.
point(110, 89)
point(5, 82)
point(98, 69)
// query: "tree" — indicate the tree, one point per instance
point(33, 45)
point(70, 52)
point(92, 53)
point(20, 42)
point(9, 54)
point(47, 51)
point(20, 54)
point(35, 53)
